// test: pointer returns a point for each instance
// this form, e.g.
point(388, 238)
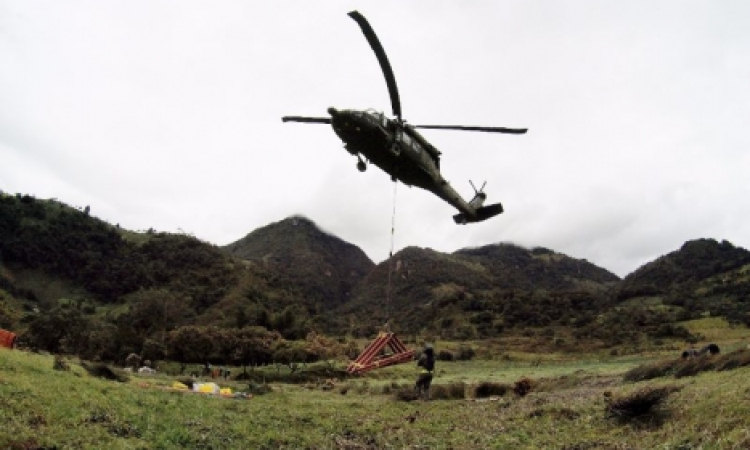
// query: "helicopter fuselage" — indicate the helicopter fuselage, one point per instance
point(397, 149)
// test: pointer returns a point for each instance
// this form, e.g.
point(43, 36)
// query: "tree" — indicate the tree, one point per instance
point(226, 344)
point(99, 343)
point(322, 348)
point(191, 344)
point(58, 330)
point(253, 346)
point(290, 354)
point(153, 350)
point(155, 311)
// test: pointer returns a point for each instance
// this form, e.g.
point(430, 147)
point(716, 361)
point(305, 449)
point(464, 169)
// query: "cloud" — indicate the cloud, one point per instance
point(166, 117)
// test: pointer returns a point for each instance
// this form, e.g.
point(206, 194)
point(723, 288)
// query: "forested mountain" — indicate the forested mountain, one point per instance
point(478, 292)
point(54, 239)
point(324, 267)
point(71, 282)
point(703, 276)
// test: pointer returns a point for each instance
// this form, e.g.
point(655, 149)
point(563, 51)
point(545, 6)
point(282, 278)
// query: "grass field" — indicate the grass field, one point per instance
point(44, 408)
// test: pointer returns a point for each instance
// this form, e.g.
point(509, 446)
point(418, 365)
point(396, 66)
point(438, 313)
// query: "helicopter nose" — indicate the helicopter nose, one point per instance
point(333, 111)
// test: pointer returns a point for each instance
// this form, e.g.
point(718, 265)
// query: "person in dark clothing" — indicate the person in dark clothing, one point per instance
point(427, 364)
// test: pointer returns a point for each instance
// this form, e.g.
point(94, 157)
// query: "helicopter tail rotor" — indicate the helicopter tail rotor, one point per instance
point(483, 213)
point(479, 195)
point(480, 212)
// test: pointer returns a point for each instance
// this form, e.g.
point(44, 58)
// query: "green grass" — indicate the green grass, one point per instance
point(565, 410)
point(717, 329)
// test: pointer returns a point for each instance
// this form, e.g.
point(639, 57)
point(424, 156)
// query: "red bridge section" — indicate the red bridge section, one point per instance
point(373, 357)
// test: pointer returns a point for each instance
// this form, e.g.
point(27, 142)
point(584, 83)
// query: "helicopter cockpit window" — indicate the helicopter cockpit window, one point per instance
point(376, 117)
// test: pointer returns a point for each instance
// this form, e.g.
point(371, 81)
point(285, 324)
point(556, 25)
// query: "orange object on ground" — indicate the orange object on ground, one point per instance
point(7, 338)
point(371, 358)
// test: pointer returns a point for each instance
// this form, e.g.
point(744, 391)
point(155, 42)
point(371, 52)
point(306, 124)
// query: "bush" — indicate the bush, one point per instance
point(733, 360)
point(688, 367)
point(445, 355)
point(489, 389)
point(106, 372)
point(465, 353)
point(650, 371)
point(407, 394)
point(694, 367)
point(258, 388)
point(523, 386)
point(60, 364)
point(639, 403)
point(451, 391)
point(388, 389)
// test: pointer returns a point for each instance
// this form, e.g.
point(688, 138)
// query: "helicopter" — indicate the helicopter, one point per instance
point(396, 146)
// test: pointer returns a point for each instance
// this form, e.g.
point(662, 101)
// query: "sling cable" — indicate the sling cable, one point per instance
point(374, 356)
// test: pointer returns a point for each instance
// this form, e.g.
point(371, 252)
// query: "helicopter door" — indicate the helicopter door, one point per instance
point(406, 142)
point(399, 142)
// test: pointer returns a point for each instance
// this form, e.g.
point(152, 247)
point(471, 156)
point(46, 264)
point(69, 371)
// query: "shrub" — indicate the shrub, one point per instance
point(523, 386)
point(407, 394)
point(104, 371)
point(694, 367)
point(362, 388)
point(258, 388)
point(733, 360)
point(60, 364)
point(465, 353)
point(445, 355)
point(640, 403)
point(488, 389)
point(650, 371)
point(451, 391)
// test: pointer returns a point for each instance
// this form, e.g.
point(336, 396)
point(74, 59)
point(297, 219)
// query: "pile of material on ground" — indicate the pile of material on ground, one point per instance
point(208, 388)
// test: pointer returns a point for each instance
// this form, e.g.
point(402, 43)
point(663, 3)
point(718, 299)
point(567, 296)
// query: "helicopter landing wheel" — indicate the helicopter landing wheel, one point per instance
point(361, 166)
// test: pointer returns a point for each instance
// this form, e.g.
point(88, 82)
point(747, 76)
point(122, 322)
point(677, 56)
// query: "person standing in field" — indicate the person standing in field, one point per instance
point(426, 363)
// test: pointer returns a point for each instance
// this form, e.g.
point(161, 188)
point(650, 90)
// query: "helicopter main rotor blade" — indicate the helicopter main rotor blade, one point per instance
point(324, 120)
point(465, 128)
point(377, 47)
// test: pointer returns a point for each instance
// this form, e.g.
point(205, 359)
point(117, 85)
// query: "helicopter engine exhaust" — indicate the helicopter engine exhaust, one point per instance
point(483, 213)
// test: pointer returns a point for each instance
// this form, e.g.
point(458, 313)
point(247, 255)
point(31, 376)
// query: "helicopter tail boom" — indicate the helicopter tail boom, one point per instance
point(483, 213)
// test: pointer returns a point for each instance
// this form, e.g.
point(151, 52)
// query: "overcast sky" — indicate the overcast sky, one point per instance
point(167, 115)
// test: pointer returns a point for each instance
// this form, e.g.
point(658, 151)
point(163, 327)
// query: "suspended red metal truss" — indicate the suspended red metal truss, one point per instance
point(373, 356)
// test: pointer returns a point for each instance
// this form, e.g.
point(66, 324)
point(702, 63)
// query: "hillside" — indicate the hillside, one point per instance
point(49, 237)
point(703, 276)
point(479, 292)
point(71, 282)
point(568, 407)
point(323, 267)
